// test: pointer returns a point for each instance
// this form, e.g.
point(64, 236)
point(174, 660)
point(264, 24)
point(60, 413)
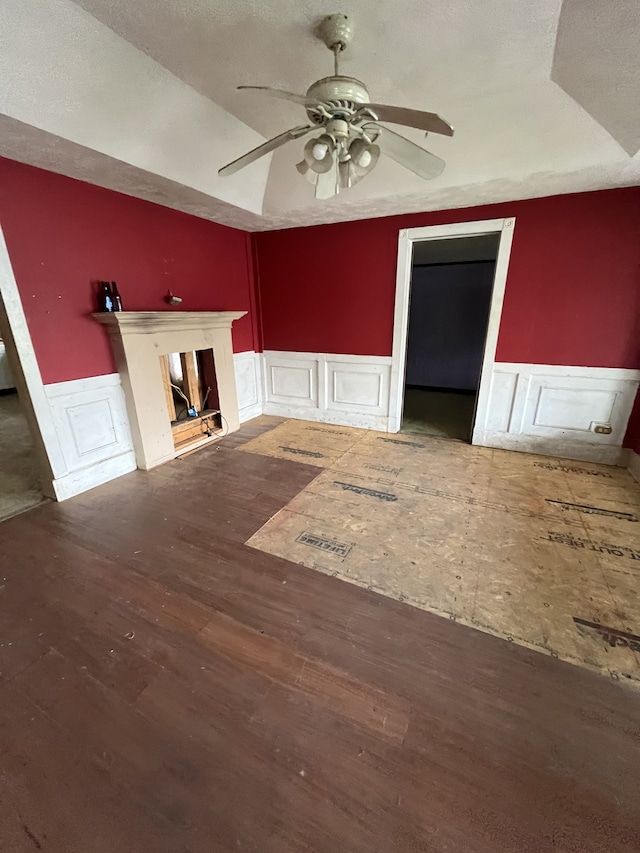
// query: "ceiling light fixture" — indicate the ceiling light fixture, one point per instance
point(351, 140)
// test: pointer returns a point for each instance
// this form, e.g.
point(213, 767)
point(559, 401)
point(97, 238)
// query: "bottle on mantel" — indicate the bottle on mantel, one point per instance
point(117, 302)
point(105, 297)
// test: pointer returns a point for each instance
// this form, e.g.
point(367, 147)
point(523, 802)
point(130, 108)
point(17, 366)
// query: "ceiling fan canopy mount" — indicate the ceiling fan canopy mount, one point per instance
point(351, 140)
point(336, 31)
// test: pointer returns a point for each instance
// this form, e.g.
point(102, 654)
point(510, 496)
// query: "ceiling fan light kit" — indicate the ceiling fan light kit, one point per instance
point(351, 138)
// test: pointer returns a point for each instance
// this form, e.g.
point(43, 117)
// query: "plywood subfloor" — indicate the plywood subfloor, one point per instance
point(19, 476)
point(541, 551)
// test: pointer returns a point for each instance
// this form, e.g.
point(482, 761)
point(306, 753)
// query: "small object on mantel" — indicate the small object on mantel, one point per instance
point(105, 297)
point(117, 302)
point(170, 299)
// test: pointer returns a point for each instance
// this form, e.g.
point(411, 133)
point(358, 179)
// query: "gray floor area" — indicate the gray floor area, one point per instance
point(19, 478)
point(439, 413)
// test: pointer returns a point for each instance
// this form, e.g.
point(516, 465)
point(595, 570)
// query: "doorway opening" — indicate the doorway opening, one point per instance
point(20, 468)
point(500, 233)
point(450, 300)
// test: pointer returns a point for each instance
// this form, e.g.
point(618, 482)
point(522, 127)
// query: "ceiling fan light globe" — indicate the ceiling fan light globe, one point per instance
point(319, 150)
point(322, 145)
point(364, 156)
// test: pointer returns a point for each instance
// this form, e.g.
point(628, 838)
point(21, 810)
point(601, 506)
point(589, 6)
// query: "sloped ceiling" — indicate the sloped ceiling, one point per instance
point(596, 62)
point(117, 92)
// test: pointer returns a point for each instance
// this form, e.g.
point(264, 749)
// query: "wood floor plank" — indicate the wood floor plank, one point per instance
point(369, 707)
point(164, 687)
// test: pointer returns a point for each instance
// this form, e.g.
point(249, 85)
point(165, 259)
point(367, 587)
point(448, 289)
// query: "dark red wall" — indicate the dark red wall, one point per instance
point(572, 297)
point(62, 234)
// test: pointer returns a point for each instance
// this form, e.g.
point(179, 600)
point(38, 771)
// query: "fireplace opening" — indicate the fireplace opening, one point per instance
point(191, 392)
point(200, 344)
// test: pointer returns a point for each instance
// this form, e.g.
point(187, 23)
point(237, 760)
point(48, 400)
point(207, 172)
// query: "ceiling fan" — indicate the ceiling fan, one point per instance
point(351, 139)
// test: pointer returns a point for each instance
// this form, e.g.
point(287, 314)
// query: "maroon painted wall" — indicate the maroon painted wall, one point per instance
point(573, 290)
point(572, 297)
point(62, 234)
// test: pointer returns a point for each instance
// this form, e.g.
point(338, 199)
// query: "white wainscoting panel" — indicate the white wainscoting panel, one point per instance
point(352, 390)
point(535, 408)
point(291, 379)
point(357, 386)
point(554, 410)
point(501, 397)
point(248, 370)
point(91, 422)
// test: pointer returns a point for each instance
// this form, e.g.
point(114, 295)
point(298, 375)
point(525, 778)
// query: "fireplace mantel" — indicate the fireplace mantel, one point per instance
point(139, 338)
point(152, 322)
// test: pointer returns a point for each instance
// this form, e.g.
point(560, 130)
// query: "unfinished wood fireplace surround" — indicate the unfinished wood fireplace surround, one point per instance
point(139, 340)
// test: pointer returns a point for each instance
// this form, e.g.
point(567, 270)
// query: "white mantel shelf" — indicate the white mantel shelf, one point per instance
point(151, 322)
point(139, 338)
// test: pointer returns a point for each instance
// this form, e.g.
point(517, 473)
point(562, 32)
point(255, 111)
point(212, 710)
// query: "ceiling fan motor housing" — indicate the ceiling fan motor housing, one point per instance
point(339, 94)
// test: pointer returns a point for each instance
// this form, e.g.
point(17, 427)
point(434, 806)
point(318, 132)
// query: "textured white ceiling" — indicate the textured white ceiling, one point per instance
point(65, 73)
point(486, 67)
point(596, 62)
point(422, 54)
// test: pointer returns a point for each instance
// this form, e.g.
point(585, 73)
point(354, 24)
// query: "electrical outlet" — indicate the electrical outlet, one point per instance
point(603, 429)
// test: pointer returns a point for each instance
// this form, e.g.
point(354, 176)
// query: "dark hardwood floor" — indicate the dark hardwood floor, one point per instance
point(165, 688)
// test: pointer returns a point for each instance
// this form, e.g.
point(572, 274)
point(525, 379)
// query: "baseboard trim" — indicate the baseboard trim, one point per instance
point(327, 416)
point(634, 465)
point(93, 475)
point(561, 448)
point(250, 412)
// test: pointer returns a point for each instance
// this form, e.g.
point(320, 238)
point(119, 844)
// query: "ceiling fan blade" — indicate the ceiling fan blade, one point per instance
point(406, 153)
point(429, 122)
point(279, 93)
point(349, 174)
point(304, 169)
point(327, 183)
point(345, 175)
point(265, 148)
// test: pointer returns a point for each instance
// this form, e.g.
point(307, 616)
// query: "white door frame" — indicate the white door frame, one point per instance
point(26, 373)
point(406, 239)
